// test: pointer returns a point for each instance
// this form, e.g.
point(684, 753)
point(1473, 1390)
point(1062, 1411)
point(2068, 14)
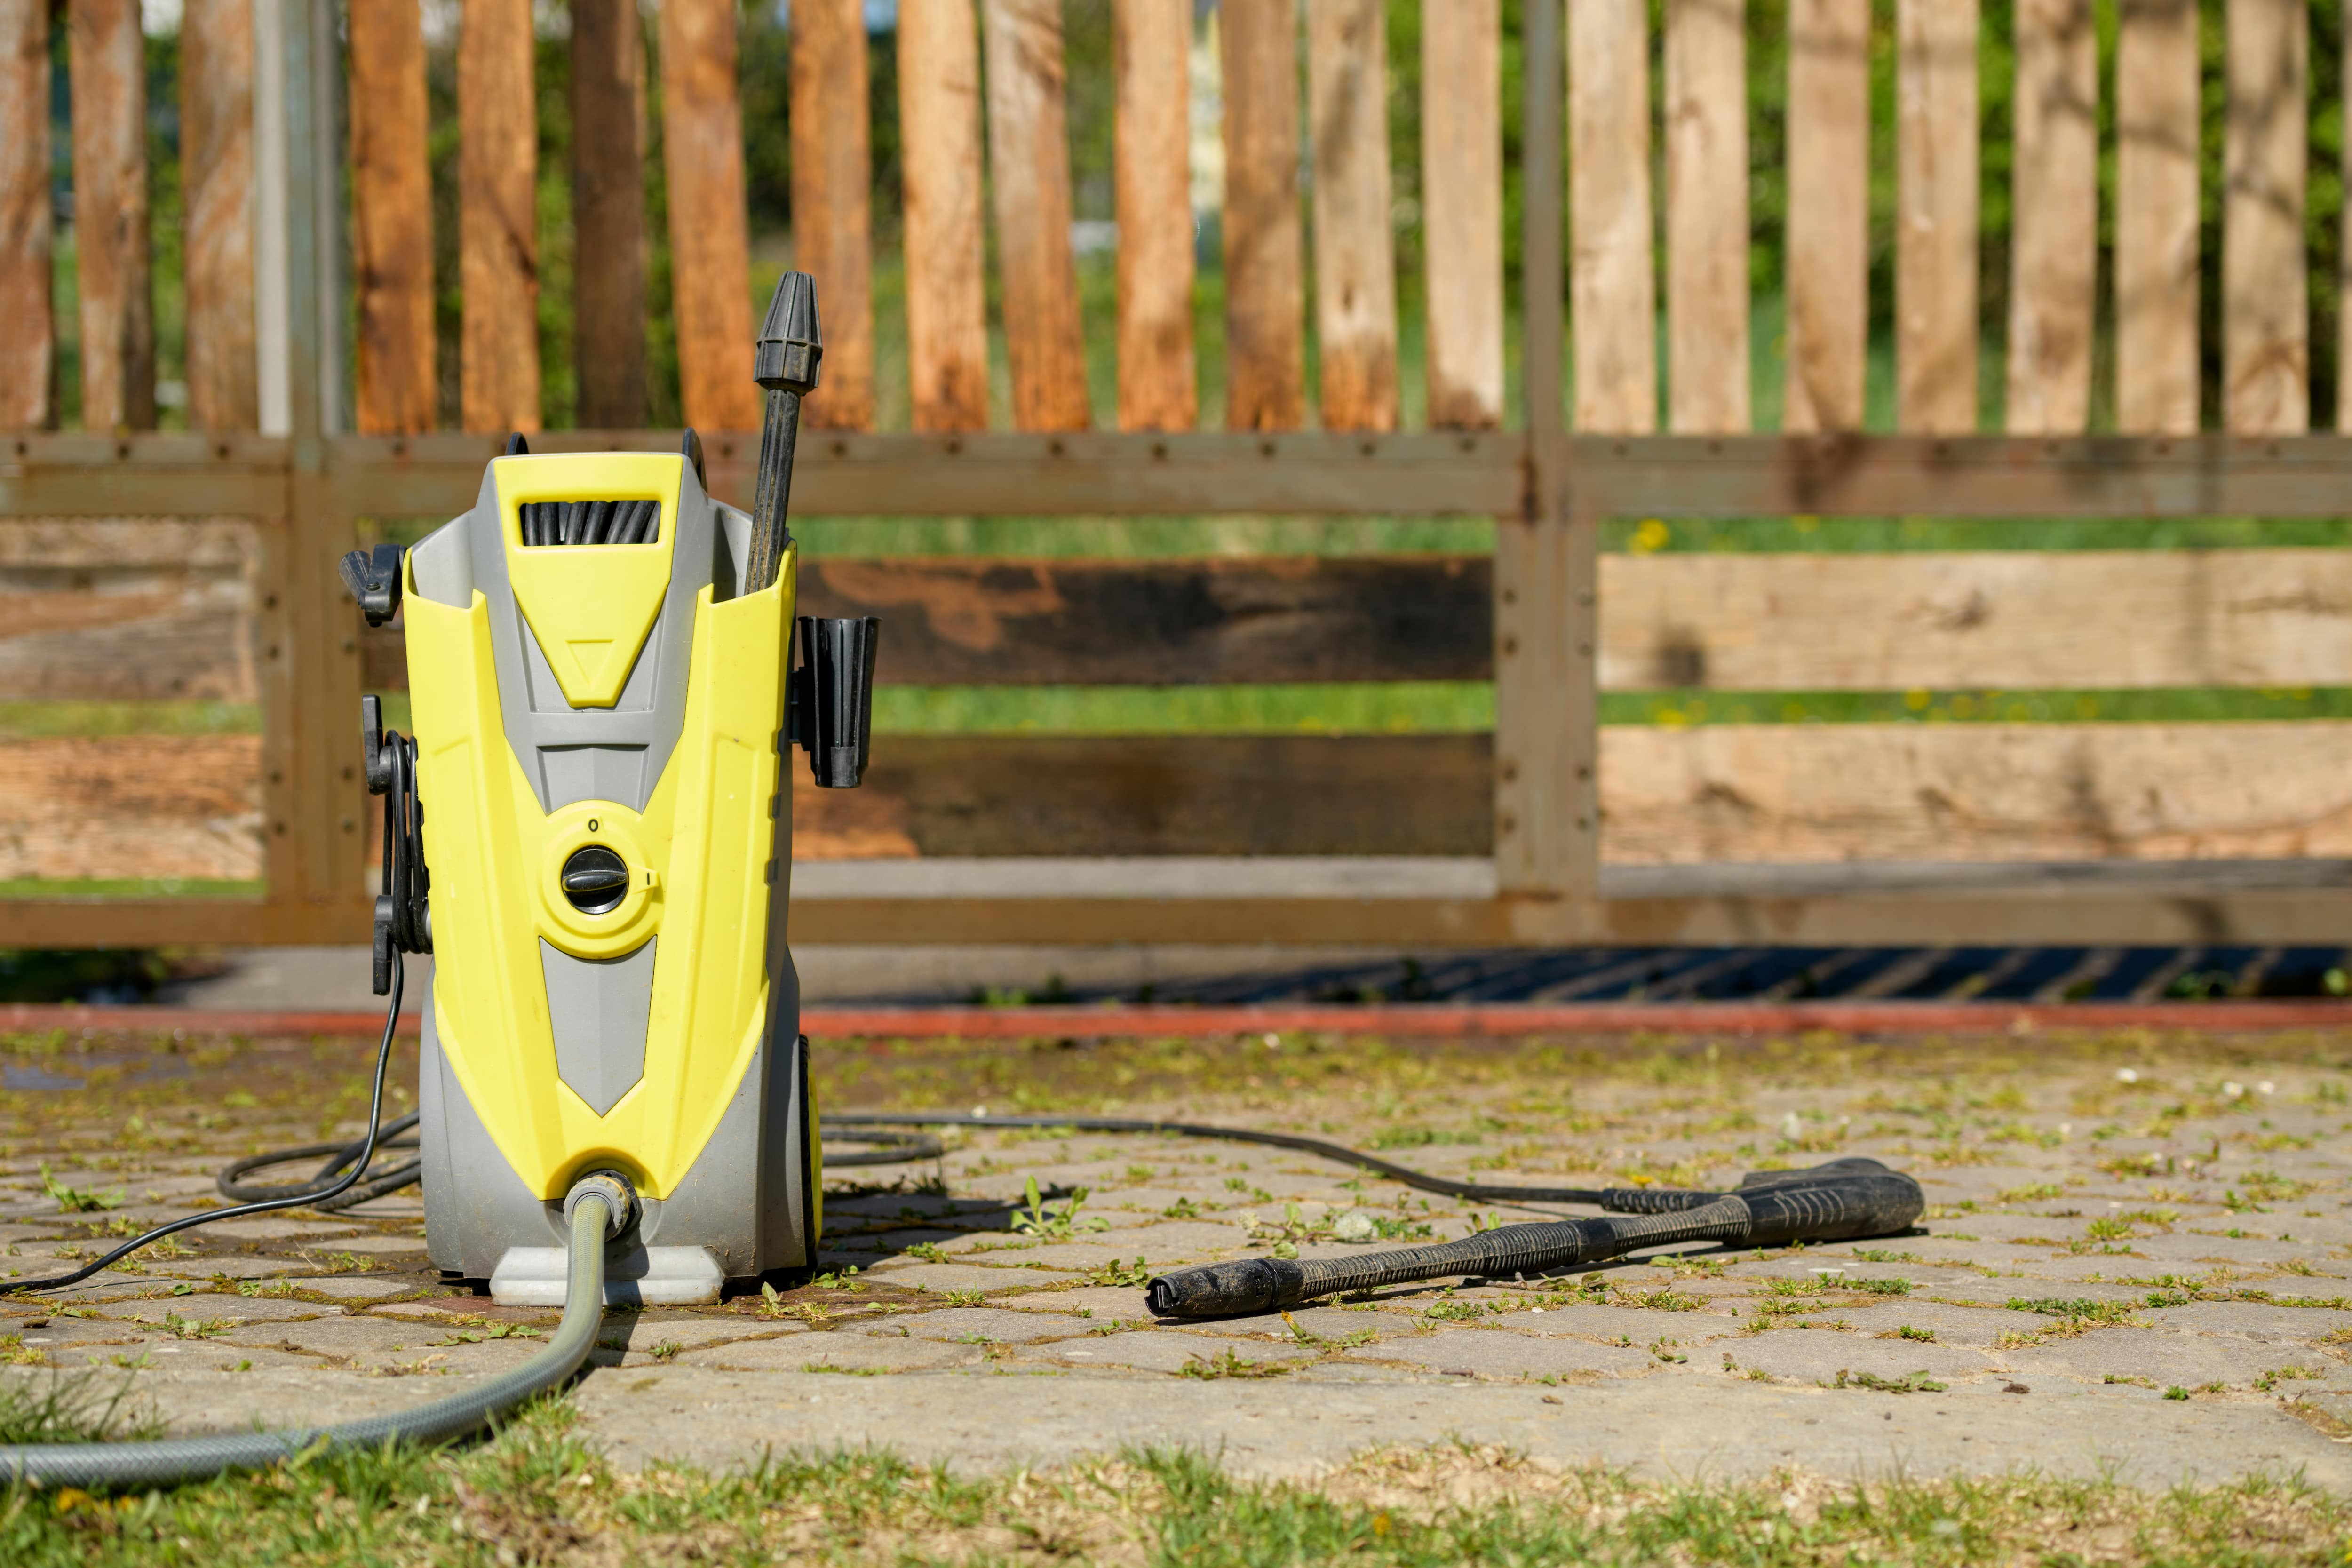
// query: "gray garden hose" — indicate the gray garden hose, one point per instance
point(597, 1211)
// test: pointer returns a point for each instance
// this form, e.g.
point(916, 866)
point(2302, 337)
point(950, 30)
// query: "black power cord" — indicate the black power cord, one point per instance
point(309, 1195)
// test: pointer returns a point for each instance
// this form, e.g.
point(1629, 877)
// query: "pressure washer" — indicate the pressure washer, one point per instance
point(590, 830)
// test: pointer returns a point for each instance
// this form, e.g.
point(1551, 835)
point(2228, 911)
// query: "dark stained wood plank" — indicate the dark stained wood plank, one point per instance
point(833, 239)
point(1265, 249)
point(110, 236)
point(28, 348)
point(391, 219)
point(1179, 794)
point(608, 213)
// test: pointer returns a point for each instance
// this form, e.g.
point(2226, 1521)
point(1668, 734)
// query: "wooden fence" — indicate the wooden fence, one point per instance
point(1849, 832)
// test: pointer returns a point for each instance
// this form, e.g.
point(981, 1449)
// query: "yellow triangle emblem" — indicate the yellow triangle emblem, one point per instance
point(588, 656)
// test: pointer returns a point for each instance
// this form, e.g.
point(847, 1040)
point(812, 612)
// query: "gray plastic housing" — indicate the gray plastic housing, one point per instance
point(749, 1196)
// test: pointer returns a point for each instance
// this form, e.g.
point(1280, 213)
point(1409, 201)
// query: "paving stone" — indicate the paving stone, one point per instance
point(2186, 1360)
point(338, 1337)
point(1105, 1303)
point(268, 1228)
point(945, 1277)
point(1637, 1323)
point(1974, 1326)
point(992, 1325)
point(1500, 1354)
point(2251, 1320)
point(642, 1332)
point(360, 1286)
point(844, 1351)
point(1815, 1355)
point(371, 1245)
point(1149, 1351)
point(205, 1307)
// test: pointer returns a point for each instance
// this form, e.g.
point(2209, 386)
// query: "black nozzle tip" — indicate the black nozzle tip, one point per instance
point(784, 357)
point(1226, 1289)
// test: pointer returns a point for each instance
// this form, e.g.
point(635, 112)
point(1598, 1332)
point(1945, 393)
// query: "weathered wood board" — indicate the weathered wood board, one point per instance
point(2040, 620)
point(155, 805)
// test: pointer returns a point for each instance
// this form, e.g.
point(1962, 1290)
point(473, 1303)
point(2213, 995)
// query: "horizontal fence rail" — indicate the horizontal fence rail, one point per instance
point(1632, 365)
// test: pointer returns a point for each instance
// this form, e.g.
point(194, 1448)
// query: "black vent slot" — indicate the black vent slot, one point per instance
point(591, 522)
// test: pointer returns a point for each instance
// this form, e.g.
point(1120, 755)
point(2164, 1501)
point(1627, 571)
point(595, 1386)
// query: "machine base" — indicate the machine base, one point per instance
point(637, 1277)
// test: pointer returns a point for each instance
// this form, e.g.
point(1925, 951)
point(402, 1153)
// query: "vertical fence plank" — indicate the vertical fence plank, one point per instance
point(608, 213)
point(1029, 161)
point(710, 238)
point(1355, 257)
point(2055, 218)
point(498, 219)
point(2155, 218)
point(109, 164)
point(1265, 329)
point(1707, 216)
point(1827, 248)
point(939, 127)
point(1936, 202)
point(2265, 346)
point(216, 158)
point(1612, 294)
point(29, 348)
point(1462, 210)
point(1151, 60)
point(392, 218)
point(832, 229)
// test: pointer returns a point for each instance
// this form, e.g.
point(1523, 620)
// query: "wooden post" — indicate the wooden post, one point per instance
point(2155, 218)
point(29, 348)
point(1265, 329)
point(1029, 162)
point(1827, 248)
point(1355, 257)
point(498, 219)
point(1547, 734)
point(2054, 254)
point(1935, 239)
point(391, 219)
point(216, 161)
point(938, 126)
point(2265, 315)
point(1612, 288)
point(1151, 58)
point(1462, 213)
point(608, 213)
point(710, 247)
point(833, 231)
point(110, 166)
point(1707, 216)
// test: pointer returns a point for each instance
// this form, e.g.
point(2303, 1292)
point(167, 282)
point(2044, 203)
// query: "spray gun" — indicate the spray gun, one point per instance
point(831, 695)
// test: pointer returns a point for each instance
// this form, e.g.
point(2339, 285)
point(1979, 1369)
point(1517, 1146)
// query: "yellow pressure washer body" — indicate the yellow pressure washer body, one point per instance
point(600, 681)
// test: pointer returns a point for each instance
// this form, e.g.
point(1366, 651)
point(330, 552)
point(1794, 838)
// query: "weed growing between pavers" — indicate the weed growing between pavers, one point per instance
point(540, 1494)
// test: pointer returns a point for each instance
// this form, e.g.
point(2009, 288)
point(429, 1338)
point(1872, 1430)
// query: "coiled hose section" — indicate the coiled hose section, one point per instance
point(173, 1460)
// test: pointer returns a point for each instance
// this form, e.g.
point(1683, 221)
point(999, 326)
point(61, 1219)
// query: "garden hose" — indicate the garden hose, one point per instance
point(595, 1209)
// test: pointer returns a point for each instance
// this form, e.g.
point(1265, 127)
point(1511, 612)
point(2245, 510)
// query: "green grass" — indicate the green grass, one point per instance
point(33, 721)
point(541, 1492)
point(129, 887)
